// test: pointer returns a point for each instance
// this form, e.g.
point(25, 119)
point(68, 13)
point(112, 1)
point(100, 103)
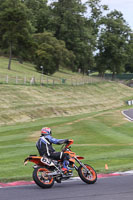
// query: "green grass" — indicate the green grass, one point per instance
point(17, 68)
point(89, 114)
point(99, 141)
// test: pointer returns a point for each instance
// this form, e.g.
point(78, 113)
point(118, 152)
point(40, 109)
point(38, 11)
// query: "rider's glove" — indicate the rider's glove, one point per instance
point(66, 141)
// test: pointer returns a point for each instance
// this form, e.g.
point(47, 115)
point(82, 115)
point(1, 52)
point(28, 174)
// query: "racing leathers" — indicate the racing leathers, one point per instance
point(44, 146)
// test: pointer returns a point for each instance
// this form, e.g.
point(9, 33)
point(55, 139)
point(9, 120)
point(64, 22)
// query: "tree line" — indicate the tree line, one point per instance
point(66, 33)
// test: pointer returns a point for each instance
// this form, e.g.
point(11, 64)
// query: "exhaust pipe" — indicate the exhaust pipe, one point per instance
point(54, 173)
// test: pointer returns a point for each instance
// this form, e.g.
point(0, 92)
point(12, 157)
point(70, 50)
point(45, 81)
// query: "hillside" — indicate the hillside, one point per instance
point(20, 103)
point(26, 103)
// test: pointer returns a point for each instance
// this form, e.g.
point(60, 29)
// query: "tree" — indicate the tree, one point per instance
point(39, 13)
point(101, 66)
point(14, 26)
point(70, 25)
point(96, 10)
point(51, 53)
point(112, 42)
point(129, 64)
point(96, 15)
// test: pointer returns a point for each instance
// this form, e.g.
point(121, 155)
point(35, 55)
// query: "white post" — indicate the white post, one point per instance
point(16, 80)
point(7, 79)
point(25, 80)
point(47, 81)
point(32, 81)
point(41, 80)
point(129, 103)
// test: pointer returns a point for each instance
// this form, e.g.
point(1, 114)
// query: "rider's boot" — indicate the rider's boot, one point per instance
point(65, 166)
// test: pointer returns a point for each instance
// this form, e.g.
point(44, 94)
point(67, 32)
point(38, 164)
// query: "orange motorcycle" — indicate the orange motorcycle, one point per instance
point(46, 170)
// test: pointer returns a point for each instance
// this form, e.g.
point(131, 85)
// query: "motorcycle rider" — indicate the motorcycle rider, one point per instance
point(44, 146)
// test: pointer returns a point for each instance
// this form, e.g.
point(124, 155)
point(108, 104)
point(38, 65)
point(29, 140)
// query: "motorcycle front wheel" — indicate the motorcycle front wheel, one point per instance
point(41, 178)
point(89, 176)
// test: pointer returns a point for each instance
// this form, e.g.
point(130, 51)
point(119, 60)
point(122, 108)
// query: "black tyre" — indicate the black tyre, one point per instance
point(41, 178)
point(88, 177)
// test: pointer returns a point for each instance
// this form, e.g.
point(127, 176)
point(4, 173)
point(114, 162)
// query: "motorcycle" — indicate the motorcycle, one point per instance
point(47, 171)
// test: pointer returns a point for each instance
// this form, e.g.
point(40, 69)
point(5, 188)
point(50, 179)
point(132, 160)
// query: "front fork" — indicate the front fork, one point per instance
point(81, 164)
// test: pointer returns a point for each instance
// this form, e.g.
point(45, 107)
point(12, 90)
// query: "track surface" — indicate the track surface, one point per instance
point(113, 188)
point(128, 114)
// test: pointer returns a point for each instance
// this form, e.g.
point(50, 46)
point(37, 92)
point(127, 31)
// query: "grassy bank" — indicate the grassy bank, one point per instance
point(23, 103)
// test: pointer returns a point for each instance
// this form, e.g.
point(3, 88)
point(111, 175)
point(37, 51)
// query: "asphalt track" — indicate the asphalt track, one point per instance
point(128, 114)
point(112, 188)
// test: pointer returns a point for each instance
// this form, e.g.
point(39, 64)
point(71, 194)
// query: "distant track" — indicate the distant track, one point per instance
point(128, 114)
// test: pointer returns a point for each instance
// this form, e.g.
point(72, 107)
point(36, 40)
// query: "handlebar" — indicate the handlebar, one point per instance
point(64, 147)
point(69, 143)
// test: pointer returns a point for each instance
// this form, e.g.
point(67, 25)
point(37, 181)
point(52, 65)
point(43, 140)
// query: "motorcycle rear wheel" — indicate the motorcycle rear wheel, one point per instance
point(41, 178)
point(88, 178)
